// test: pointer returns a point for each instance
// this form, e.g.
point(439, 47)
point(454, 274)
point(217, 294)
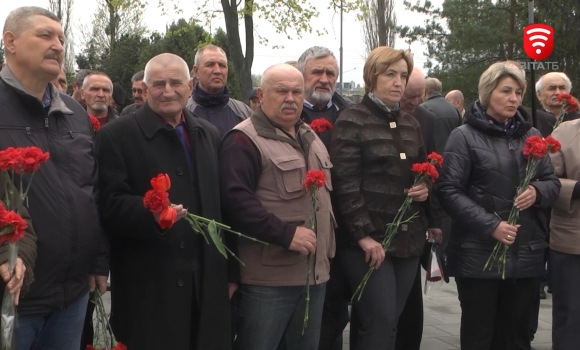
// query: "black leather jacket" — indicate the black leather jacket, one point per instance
point(483, 167)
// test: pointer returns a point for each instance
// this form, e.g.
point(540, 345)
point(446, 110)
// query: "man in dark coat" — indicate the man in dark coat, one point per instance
point(447, 117)
point(410, 325)
point(169, 288)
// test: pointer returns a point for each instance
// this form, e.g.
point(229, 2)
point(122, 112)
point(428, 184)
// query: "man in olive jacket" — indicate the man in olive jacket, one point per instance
point(169, 288)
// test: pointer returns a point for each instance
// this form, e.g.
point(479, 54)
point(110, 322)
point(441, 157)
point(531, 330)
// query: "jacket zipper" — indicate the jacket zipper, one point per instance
point(512, 150)
point(74, 226)
point(25, 128)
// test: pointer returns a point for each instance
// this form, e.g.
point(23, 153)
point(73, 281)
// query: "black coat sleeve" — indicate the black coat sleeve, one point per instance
point(453, 186)
point(122, 211)
point(240, 169)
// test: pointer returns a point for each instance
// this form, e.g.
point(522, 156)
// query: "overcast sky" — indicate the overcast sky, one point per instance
point(353, 44)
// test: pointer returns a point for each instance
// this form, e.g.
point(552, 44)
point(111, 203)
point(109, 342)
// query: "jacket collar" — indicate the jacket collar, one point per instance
point(151, 122)
point(267, 129)
point(475, 116)
point(57, 104)
point(434, 95)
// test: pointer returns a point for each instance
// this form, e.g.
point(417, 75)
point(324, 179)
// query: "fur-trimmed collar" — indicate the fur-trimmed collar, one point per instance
point(475, 116)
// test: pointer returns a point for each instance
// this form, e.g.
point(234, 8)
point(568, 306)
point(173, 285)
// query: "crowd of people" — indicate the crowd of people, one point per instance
point(244, 164)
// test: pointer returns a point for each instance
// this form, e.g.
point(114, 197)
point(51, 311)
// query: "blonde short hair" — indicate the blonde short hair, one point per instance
point(491, 77)
point(379, 61)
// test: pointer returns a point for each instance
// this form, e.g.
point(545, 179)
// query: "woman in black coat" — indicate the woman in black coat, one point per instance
point(484, 165)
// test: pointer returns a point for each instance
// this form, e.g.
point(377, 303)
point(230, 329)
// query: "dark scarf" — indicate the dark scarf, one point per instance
point(205, 99)
point(518, 126)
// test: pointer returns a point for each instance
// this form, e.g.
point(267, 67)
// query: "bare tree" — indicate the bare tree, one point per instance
point(113, 20)
point(379, 23)
point(63, 10)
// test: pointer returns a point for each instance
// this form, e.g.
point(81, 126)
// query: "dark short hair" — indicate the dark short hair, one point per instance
point(81, 75)
point(138, 76)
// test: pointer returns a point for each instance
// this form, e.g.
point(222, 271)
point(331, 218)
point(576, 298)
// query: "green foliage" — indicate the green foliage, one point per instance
point(464, 37)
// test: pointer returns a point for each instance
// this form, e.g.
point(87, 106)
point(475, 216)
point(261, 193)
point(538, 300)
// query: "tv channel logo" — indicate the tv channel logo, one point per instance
point(538, 41)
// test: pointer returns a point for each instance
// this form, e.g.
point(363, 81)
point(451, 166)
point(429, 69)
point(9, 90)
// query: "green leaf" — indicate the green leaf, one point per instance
point(213, 234)
point(6, 230)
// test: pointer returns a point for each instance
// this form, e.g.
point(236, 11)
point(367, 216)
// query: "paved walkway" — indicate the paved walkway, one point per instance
point(443, 316)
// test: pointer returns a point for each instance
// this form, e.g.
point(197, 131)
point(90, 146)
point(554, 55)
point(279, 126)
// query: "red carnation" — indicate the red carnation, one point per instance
point(120, 346)
point(425, 169)
point(315, 178)
point(95, 122)
point(167, 217)
point(569, 102)
point(10, 158)
point(553, 144)
point(156, 201)
point(161, 182)
point(320, 125)
point(535, 146)
point(435, 158)
point(12, 225)
point(31, 158)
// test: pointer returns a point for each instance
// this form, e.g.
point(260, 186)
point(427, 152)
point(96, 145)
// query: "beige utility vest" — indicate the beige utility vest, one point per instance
point(281, 191)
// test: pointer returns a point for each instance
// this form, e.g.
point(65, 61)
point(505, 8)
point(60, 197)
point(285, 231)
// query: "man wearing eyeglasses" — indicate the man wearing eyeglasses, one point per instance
point(139, 95)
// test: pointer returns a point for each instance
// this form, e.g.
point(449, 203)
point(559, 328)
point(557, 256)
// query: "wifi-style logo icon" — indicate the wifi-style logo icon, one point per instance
point(538, 41)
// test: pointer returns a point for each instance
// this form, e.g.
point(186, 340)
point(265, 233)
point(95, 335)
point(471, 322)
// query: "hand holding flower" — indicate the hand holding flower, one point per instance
point(304, 241)
point(420, 193)
point(505, 233)
point(526, 199)
point(14, 283)
point(374, 251)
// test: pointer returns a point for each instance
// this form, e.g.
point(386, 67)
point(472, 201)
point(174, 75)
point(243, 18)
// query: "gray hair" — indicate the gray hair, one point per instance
point(165, 59)
point(137, 76)
point(540, 84)
point(313, 52)
point(202, 49)
point(491, 77)
point(433, 85)
point(19, 19)
point(81, 75)
point(86, 79)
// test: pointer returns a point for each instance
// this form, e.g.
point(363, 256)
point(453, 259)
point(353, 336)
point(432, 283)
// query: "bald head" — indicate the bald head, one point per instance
point(165, 60)
point(455, 97)
point(413, 91)
point(167, 86)
point(281, 94)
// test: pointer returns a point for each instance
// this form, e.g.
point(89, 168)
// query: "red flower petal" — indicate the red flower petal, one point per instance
point(161, 182)
point(167, 217)
point(156, 200)
point(315, 178)
point(320, 125)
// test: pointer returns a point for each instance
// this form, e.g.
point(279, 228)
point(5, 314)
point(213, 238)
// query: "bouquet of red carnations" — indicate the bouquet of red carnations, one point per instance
point(157, 201)
point(535, 149)
point(423, 171)
point(15, 163)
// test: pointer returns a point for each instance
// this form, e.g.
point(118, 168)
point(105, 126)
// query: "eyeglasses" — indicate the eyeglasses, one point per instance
point(139, 91)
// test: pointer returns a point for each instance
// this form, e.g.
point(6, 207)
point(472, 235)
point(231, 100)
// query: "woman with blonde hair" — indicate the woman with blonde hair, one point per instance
point(484, 165)
point(373, 146)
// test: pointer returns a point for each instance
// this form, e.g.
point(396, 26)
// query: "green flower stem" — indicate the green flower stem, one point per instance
point(223, 227)
point(312, 226)
point(499, 254)
point(390, 232)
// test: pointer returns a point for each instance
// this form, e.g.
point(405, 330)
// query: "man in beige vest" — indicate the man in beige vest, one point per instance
point(263, 162)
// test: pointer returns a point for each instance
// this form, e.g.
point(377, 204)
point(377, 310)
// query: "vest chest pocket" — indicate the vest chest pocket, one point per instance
point(326, 165)
point(290, 173)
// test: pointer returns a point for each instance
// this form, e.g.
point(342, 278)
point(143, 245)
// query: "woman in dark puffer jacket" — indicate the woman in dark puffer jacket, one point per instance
point(483, 166)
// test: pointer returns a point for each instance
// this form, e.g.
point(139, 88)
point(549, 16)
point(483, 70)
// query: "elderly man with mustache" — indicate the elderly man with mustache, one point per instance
point(263, 163)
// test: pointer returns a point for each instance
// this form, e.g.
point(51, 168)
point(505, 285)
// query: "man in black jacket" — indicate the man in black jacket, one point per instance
point(138, 95)
point(61, 201)
point(447, 117)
